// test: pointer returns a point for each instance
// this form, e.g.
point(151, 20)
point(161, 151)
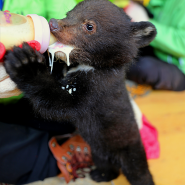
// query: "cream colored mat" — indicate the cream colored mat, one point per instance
point(57, 181)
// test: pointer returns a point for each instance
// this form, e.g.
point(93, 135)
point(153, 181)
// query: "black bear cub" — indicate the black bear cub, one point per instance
point(91, 92)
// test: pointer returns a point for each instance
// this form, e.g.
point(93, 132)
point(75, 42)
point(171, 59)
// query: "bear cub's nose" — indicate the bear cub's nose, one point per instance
point(53, 24)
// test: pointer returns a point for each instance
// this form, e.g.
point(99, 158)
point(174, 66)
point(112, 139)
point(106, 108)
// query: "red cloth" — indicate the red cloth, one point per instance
point(149, 138)
point(33, 43)
point(2, 51)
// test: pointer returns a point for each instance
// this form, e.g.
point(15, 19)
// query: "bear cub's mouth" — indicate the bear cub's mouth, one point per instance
point(61, 58)
point(59, 53)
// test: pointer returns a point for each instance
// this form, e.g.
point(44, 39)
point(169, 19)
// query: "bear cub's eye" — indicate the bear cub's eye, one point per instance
point(89, 27)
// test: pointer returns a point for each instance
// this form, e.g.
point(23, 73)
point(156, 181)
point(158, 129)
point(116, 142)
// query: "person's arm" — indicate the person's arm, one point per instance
point(169, 39)
point(137, 12)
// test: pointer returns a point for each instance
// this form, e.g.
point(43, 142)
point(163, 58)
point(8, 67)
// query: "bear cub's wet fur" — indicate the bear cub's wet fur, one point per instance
point(91, 92)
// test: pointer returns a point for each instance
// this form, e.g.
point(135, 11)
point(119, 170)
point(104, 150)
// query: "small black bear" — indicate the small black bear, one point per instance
point(91, 92)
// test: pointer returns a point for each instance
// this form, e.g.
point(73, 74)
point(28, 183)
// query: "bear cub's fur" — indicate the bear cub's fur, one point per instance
point(91, 92)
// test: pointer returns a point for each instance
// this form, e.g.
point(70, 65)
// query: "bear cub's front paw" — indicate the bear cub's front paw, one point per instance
point(23, 64)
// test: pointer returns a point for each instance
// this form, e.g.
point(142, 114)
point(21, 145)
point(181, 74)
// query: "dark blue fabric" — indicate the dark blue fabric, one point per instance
point(1, 4)
point(160, 75)
point(24, 153)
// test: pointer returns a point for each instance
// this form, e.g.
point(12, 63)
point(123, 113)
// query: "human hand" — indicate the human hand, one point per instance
point(137, 12)
point(7, 87)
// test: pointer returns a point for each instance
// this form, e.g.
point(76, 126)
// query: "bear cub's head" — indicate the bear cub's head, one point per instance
point(102, 35)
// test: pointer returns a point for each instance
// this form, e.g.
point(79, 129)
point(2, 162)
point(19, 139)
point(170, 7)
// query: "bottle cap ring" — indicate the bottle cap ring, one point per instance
point(42, 31)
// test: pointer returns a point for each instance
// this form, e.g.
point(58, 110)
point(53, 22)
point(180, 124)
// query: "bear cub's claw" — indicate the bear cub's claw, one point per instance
point(99, 176)
point(23, 64)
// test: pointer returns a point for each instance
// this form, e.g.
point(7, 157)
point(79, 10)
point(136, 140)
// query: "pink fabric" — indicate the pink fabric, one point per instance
point(149, 138)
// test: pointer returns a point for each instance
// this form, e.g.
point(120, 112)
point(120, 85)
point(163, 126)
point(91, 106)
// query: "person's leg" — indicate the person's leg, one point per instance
point(24, 152)
point(24, 155)
point(160, 75)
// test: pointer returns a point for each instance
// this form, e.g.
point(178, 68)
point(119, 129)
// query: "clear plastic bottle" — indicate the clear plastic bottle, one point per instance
point(15, 29)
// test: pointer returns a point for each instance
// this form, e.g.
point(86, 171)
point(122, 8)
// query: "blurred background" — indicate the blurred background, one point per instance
point(156, 83)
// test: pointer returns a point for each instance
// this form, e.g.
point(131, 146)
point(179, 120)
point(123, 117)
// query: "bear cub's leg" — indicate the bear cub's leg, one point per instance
point(104, 171)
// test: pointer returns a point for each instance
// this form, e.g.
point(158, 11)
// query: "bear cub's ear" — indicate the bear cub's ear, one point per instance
point(143, 32)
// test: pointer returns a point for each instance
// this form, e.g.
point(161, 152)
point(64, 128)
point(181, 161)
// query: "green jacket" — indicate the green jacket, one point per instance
point(169, 19)
point(47, 8)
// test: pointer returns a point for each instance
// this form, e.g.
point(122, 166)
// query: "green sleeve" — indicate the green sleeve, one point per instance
point(58, 8)
point(169, 39)
point(13, 99)
point(25, 7)
point(155, 3)
point(78, 1)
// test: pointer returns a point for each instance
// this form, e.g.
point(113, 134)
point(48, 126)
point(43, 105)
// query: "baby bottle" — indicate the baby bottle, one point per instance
point(15, 29)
